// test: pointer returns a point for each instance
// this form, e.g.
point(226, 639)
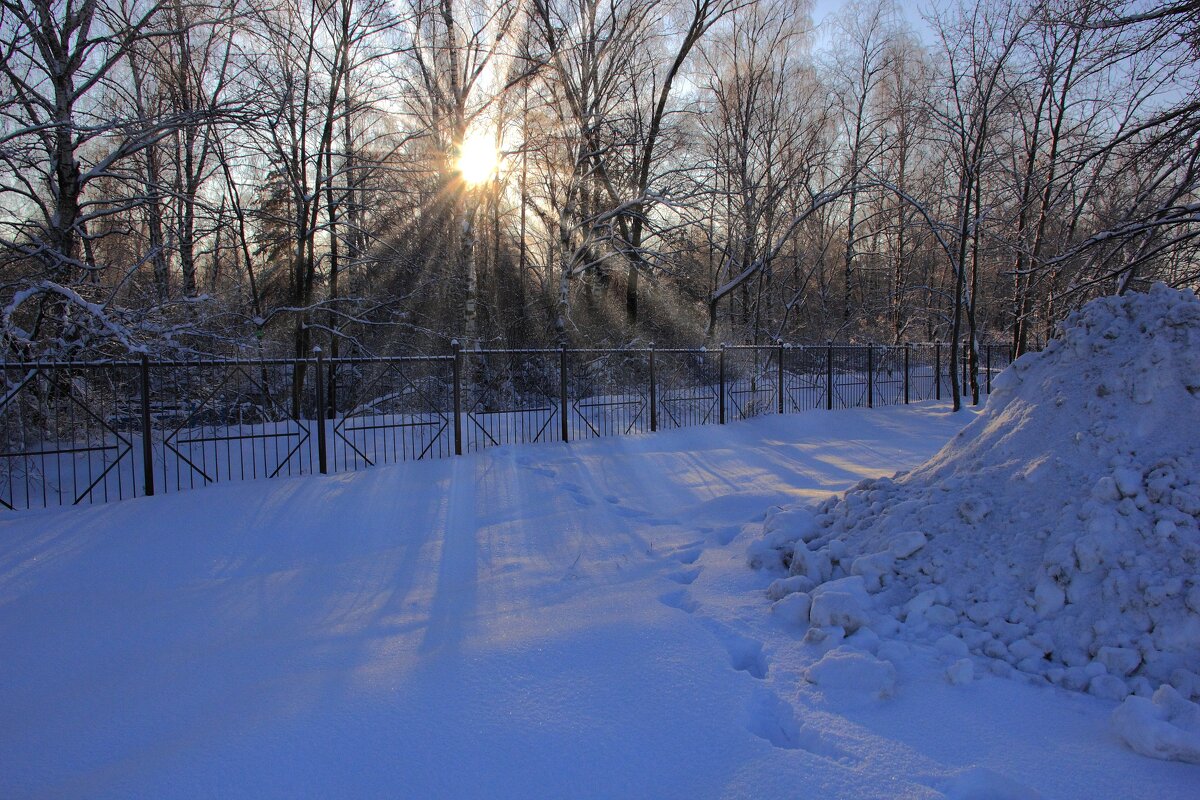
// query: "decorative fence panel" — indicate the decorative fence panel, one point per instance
point(608, 393)
point(386, 410)
point(510, 397)
point(927, 372)
point(752, 381)
point(90, 432)
point(686, 388)
point(806, 378)
point(216, 421)
point(71, 434)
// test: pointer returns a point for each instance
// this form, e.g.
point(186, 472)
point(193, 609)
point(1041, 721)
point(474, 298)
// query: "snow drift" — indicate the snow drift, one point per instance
point(1057, 535)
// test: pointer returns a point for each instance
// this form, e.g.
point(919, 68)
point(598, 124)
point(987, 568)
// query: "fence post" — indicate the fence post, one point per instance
point(780, 387)
point(322, 464)
point(988, 367)
point(937, 370)
point(653, 393)
point(562, 387)
point(870, 375)
point(721, 379)
point(829, 374)
point(907, 352)
point(147, 446)
point(457, 396)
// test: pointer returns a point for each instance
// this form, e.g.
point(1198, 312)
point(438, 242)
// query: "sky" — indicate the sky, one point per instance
point(822, 9)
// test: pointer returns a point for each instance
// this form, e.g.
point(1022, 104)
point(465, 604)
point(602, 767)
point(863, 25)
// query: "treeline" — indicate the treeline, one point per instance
point(259, 178)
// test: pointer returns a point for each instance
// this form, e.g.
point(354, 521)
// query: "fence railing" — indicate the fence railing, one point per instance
point(90, 432)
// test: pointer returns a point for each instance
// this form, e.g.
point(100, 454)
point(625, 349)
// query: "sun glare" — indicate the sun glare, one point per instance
point(478, 159)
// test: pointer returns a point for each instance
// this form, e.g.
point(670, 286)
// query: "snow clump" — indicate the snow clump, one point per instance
point(1056, 536)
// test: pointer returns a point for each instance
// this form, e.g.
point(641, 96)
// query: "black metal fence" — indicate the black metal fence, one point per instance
point(90, 432)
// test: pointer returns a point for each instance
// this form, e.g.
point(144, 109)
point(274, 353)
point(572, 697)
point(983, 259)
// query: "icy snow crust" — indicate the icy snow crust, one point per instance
point(1056, 535)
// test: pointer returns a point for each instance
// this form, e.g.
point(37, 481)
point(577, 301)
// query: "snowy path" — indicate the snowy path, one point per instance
point(537, 621)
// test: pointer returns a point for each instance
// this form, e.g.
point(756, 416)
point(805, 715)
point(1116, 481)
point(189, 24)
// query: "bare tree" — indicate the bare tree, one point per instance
point(58, 58)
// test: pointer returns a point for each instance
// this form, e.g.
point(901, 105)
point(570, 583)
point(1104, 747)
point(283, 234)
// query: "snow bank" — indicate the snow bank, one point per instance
point(1058, 535)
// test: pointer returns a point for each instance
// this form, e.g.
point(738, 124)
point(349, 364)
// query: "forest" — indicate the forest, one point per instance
point(378, 177)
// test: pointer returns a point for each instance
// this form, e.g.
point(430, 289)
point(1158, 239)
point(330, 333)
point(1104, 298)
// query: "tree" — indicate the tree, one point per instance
point(57, 140)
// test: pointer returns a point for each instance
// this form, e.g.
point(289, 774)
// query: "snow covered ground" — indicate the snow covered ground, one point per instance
point(532, 621)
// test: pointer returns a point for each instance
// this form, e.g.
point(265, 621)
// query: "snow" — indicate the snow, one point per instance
point(842, 602)
point(1057, 535)
point(1165, 726)
point(982, 784)
point(546, 620)
point(850, 668)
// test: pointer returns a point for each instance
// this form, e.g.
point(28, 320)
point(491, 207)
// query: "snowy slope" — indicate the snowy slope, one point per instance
point(1058, 534)
point(540, 621)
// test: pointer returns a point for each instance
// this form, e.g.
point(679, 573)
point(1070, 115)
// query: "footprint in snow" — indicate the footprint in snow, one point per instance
point(745, 654)
point(628, 513)
point(727, 535)
point(679, 599)
point(528, 463)
point(771, 718)
point(980, 783)
point(685, 576)
point(577, 495)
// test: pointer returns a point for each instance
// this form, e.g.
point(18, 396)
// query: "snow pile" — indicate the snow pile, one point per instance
point(1057, 535)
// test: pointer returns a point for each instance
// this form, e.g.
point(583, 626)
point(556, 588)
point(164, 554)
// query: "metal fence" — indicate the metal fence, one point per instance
point(90, 432)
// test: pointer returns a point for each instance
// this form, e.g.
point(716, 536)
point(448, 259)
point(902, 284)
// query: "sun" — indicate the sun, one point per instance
point(478, 159)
